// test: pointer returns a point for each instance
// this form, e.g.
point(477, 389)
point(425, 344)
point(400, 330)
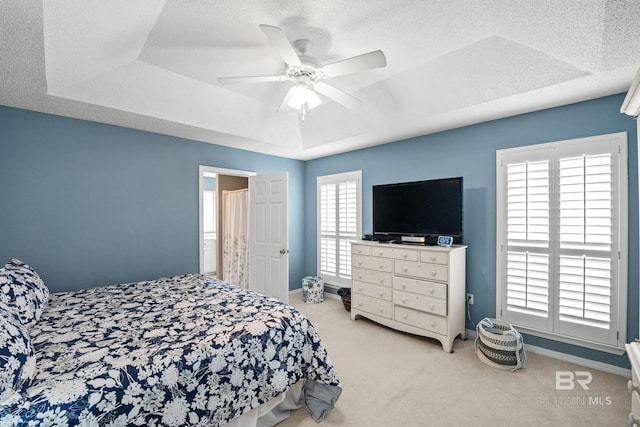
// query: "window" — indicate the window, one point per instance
point(339, 222)
point(562, 240)
point(209, 211)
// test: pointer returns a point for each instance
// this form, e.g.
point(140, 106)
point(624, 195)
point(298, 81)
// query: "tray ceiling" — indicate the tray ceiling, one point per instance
point(153, 65)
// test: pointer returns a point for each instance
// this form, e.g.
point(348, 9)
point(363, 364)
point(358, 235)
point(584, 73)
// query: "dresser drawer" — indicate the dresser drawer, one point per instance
point(434, 257)
point(360, 250)
point(379, 264)
point(421, 320)
point(371, 276)
point(422, 287)
point(422, 270)
point(395, 253)
point(372, 305)
point(372, 290)
point(420, 302)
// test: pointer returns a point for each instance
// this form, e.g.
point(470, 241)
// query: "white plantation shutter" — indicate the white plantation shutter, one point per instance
point(528, 283)
point(562, 242)
point(339, 205)
point(528, 203)
point(527, 240)
point(328, 248)
point(585, 291)
point(588, 250)
point(348, 224)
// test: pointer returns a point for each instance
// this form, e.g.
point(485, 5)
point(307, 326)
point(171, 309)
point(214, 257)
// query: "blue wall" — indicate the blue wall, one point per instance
point(471, 152)
point(88, 204)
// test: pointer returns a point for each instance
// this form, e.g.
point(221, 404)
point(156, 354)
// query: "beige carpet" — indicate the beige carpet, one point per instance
point(391, 378)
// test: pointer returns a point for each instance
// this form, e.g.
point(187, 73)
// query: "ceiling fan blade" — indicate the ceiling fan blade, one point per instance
point(251, 79)
point(337, 95)
point(366, 61)
point(281, 44)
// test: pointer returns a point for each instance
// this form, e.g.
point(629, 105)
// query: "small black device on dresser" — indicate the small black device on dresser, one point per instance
point(384, 238)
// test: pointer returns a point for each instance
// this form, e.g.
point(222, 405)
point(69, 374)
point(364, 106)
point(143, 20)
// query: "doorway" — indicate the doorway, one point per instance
point(267, 238)
point(213, 183)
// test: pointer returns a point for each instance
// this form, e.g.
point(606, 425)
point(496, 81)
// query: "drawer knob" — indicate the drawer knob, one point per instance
point(405, 269)
point(433, 273)
point(360, 289)
point(381, 310)
point(381, 266)
point(433, 324)
point(431, 290)
point(380, 253)
point(360, 276)
point(404, 316)
point(381, 279)
point(431, 306)
point(381, 293)
point(403, 285)
point(404, 256)
point(359, 262)
point(404, 299)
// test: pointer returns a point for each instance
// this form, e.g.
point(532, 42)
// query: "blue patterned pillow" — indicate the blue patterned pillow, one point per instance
point(22, 289)
point(17, 357)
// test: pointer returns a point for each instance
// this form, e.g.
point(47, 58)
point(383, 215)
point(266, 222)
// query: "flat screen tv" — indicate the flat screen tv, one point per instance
point(424, 208)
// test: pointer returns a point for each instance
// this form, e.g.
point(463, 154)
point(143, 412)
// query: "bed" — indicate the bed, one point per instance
point(183, 350)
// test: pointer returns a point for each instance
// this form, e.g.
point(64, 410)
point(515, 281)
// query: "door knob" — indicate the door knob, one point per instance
point(284, 251)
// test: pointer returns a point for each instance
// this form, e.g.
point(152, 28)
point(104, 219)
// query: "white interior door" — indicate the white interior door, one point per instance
point(268, 235)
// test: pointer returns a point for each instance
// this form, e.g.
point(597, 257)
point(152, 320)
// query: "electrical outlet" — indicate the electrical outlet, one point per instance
point(470, 299)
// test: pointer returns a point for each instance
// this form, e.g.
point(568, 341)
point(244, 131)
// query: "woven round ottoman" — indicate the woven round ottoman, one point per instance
point(498, 344)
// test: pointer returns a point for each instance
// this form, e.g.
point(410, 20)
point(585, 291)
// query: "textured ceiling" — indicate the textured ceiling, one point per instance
point(153, 64)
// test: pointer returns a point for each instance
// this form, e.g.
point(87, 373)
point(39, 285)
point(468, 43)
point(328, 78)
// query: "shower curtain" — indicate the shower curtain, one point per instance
point(235, 246)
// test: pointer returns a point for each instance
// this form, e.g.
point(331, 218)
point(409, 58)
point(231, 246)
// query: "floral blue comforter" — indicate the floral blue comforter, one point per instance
point(185, 350)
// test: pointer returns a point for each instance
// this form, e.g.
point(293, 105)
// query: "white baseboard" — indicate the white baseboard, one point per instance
point(587, 363)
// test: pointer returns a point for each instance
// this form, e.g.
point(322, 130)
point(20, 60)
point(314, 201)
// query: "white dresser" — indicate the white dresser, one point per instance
point(633, 351)
point(415, 289)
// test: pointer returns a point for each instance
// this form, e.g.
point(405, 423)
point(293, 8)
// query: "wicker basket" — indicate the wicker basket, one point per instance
point(498, 344)
point(345, 294)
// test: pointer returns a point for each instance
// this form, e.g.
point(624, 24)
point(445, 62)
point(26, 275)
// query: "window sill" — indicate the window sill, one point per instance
point(572, 340)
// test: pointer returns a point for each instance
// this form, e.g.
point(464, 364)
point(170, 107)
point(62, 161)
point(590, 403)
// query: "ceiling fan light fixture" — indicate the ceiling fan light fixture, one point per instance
point(303, 96)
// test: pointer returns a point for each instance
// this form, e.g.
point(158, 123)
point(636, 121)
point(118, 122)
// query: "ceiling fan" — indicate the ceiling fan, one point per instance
point(307, 73)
